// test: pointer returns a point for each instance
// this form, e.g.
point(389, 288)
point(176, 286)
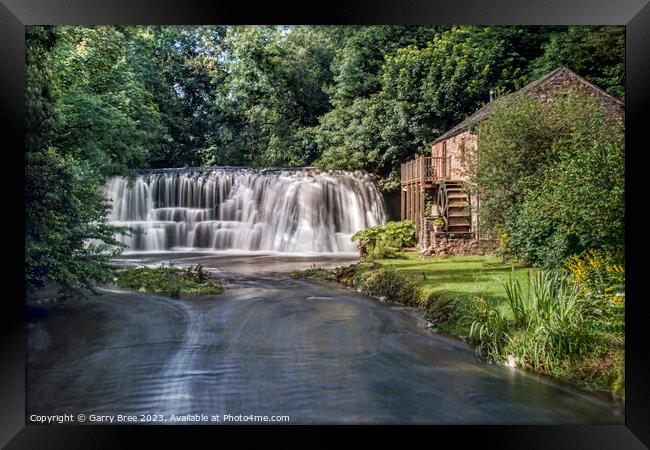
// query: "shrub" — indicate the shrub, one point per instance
point(345, 274)
point(503, 250)
point(370, 279)
point(385, 241)
point(599, 274)
point(314, 272)
point(549, 323)
point(391, 183)
point(386, 284)
point(551, 175)
point(438, 310)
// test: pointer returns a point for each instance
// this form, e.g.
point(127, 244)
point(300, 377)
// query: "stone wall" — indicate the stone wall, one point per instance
point(450, 247)
point(460, 148)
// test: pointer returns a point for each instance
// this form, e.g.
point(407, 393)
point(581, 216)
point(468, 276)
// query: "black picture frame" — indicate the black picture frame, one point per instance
point(634, 14)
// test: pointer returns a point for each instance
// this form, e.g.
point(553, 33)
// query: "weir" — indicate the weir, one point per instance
point(278, 210)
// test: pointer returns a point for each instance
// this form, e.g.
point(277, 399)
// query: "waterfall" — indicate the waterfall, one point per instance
point(277, 210)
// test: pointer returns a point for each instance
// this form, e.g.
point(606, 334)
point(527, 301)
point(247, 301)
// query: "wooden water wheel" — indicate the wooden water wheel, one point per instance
point(443, 203)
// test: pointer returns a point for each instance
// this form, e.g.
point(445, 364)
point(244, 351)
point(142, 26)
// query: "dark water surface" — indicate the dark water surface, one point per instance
point(273, 345)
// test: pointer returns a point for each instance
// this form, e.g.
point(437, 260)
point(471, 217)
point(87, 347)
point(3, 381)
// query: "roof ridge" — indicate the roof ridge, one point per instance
point(483, 110)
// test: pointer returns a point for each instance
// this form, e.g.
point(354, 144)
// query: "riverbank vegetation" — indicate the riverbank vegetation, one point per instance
point(566, 324)
point(169, 280)
point(433, 282)
point(385, 241)
point(107, 100)
point(551, 181)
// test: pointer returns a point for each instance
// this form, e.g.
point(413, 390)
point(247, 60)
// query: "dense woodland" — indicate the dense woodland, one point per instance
point(109, 100)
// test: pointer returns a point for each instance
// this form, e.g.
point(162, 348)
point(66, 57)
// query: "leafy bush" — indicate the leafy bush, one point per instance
point(370, 279)
point(169, 280)
point(384, 241)
point(551, 175)
point(503, 250)
point(345, 274)
point(391, 183)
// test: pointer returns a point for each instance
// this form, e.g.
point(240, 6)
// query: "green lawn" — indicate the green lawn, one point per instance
point(458, 277)
point(446, 286)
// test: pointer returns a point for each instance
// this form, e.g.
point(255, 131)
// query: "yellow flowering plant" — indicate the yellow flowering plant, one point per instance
point(599, 273)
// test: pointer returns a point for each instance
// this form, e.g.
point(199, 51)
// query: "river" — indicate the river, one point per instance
point(274, 345)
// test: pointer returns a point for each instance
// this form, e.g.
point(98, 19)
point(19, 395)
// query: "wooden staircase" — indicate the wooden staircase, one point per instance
point(459, 218)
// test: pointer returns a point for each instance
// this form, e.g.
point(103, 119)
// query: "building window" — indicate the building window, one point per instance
point(462, 149)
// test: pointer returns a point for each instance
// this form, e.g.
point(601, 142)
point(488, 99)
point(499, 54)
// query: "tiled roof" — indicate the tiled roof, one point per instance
point(485, 110)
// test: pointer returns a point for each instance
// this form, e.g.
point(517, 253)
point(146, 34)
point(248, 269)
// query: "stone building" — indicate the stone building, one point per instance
point(433, 187)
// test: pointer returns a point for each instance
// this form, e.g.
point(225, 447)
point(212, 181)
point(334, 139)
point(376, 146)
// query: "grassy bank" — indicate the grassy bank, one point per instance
point(457, 294)
point(169, 280)
point(456, 280)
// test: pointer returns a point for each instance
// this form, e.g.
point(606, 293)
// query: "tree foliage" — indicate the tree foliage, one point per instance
point(596, 53)
point(273, 91)
point(67, 240)
point(106, 113)
point(420, 90)
point(105, 100)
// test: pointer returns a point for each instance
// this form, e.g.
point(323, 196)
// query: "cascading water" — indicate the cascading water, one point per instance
point(283, 210)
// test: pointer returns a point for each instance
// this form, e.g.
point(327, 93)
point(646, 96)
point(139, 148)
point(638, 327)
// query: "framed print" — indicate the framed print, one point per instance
point(276, 220)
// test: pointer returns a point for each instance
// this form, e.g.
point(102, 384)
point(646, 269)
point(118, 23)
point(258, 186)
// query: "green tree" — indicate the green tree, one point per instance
point(596, 53)
point(421, 90)
point(67, 239)
point(359, 58)
point(106, 114)
point(273, 91)
point(551, 175)
point(184, 78)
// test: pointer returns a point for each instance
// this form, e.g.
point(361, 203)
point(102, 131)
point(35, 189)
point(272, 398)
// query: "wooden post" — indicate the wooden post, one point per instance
point(416, 205)
point(422, 173)
point(411, 202)
point(408, 202)
point(422, 200)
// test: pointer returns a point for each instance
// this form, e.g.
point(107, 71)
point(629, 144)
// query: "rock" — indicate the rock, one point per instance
point(458, 246)
point(443, 313)
point(511, 361)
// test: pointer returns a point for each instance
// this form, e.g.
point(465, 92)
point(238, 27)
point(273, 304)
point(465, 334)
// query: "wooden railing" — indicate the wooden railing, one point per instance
point(426, 168)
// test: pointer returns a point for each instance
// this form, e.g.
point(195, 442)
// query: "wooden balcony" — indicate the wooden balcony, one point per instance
point(426, 170)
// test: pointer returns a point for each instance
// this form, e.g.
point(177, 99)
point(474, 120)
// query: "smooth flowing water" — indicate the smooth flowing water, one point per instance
point(274, 345)
point(270, 345)
point(288, 210)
